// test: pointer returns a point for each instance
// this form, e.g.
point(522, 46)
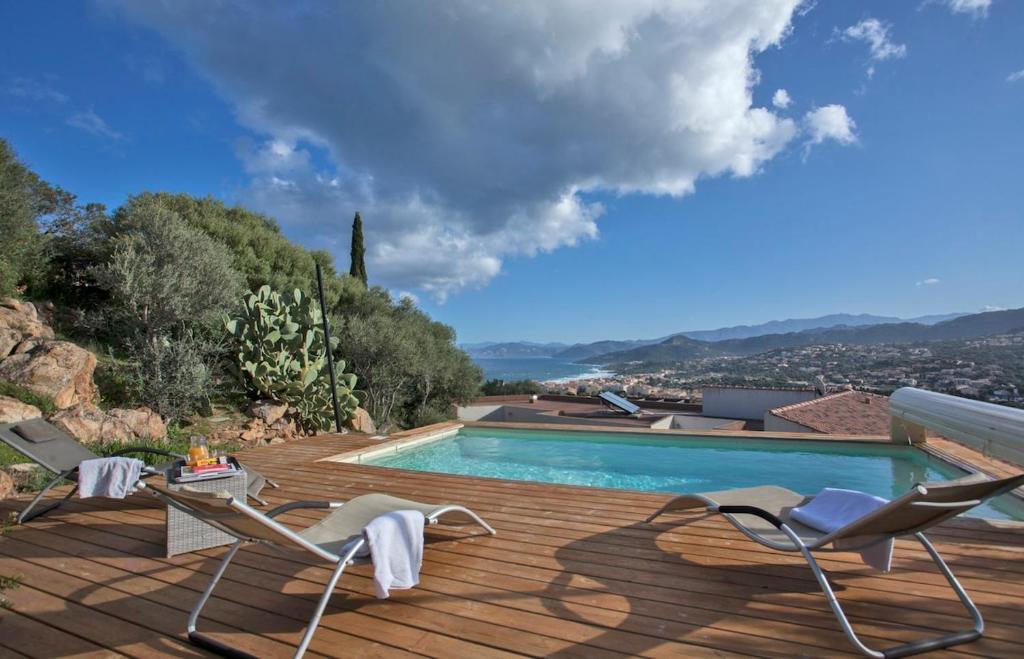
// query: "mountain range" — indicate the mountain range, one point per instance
point(679, 348)
point(586, 351)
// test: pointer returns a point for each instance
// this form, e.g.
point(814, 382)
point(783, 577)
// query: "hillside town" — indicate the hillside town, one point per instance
point(989, 369)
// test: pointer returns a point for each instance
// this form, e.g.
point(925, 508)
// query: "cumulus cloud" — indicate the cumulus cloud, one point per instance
point(478, 131)
point(976, 8)
point(930, 281)
point(781, 99)
point(830, 122)
point(875, 34)
point(93, 124)
point(1015, 76)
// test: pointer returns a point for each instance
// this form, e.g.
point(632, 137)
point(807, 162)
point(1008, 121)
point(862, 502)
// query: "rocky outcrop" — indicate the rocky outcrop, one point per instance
point(268, 411)
point(6, 485)
point(58, 370)
point(91, 425)
point(23, 318)
point(362, 422)
point(143, 422)
point(13, 410)
point(8, 339)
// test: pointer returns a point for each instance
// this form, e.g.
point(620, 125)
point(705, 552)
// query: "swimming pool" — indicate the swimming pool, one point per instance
point(677, 464)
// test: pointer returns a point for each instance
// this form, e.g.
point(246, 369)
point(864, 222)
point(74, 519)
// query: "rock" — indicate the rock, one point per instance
point(26, 309)
point(45, 312)
point(273, 440)
point(8, 339)
point(361, 422)
point(16, 315)
point(143, 422)
point(13, 410)
point(58, 370)
point(6, 485)
point(268, 411)
point(25, 346)
point(89, 424)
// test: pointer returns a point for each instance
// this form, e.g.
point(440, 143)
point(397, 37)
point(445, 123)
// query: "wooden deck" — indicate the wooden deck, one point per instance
point(573, 572)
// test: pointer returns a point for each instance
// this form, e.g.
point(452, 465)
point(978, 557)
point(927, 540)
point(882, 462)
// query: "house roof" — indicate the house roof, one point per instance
point(842, 413)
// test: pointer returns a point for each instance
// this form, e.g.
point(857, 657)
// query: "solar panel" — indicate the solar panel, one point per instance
point(618, 402)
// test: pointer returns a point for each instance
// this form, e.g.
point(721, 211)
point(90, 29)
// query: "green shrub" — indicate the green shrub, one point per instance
point(511, 388)
point(280, 353)
point(24, 197)
point(173, 375)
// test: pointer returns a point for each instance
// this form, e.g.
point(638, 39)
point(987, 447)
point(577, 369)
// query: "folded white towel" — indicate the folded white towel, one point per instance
point(832, 509)
point(396, 548)
point(108, 477)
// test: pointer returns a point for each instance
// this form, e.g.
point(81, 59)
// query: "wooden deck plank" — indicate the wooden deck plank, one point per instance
point(573, 572)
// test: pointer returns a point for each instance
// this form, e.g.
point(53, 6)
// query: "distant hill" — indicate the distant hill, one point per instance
point(513, 349)
point(962, 327)
point(803, 324)
point(583, 351)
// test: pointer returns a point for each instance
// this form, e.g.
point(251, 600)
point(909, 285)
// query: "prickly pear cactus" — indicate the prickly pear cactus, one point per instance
point(280, 353)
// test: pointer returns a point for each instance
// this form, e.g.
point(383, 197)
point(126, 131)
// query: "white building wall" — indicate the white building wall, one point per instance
point(740, 403)
point(773, 423)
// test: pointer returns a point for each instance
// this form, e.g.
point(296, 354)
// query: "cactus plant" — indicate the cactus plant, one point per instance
point(281, 354)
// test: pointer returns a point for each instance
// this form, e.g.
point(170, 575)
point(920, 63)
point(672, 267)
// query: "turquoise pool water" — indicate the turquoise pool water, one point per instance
point(660, 464)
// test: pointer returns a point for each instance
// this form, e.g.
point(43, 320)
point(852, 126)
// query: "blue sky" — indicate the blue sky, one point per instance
point(538, 176)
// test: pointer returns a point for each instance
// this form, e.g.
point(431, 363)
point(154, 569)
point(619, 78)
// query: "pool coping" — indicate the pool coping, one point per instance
point(408, 439)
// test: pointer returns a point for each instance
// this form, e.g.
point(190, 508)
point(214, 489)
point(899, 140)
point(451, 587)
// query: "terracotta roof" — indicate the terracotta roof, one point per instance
point(842, 413)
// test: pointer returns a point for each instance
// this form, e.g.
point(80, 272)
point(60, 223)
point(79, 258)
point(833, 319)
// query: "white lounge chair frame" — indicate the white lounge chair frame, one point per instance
point(280, 537)
point(925, 505)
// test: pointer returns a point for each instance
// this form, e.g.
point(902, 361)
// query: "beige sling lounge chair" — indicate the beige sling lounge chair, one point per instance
point(762, 514)
point(337, 538)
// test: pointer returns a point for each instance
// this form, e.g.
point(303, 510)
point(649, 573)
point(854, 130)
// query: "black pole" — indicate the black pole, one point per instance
point(330, 353)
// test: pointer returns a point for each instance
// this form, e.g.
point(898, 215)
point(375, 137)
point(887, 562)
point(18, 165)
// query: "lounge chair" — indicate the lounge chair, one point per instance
point(762, 514)
point(55, 450)
point(337, 538)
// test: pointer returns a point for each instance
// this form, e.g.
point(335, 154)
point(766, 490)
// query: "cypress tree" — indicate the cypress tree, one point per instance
point(358, 268)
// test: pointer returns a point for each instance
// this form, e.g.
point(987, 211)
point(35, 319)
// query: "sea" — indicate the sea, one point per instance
point(542, 369)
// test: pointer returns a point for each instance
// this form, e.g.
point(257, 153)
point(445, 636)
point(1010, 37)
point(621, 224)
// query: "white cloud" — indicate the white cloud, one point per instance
point(930, 281)
point(93, 124)
point(1015, 76)
point(781, 99)
point(475, 132)
point(876, 34)
point(35, 90)
point(830, 122)
point(976, 8)
point(992, 307)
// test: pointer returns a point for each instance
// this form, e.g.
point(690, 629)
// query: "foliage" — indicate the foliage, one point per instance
point(408, 365)
point(24, 198)
point(173, 374)
point(281, 354)
point(44, 403)
point(503, 388)
point(258, 250)
point(164, 275)
point(358, 252)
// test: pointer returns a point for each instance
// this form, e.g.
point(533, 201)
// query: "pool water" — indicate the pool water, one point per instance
point(698, 464)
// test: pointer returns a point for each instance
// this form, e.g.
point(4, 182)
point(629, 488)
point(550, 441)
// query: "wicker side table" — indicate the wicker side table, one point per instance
point(186, 533)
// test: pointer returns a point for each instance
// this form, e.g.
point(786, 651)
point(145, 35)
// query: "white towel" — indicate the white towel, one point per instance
point(108, 477)
point(832, 509)
point(396, 548)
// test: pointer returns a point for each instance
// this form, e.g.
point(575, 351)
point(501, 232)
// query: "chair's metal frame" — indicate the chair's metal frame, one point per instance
point(916, 647)
point(30, 512)
point(349, 556)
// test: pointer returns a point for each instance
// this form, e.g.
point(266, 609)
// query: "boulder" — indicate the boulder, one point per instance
point(362, 422)
point(8, 339)
point(142, 421)
point(58, 370)
point(268, 411)
point(89, 424)
point(6, 485)
point(13, 410)
point(22, 317)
